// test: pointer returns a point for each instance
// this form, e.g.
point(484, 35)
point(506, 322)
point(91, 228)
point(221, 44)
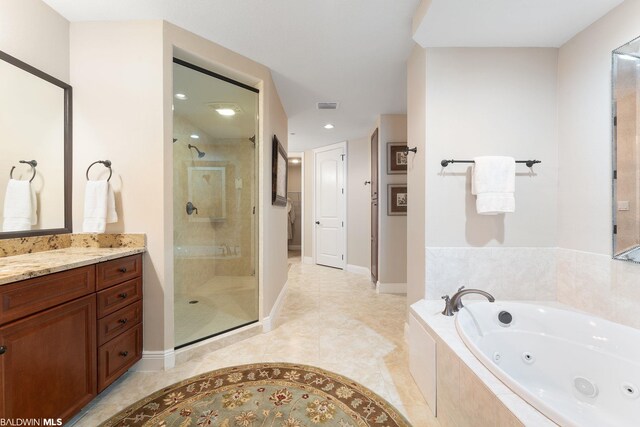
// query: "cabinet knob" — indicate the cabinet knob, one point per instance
point(3, 349)
point(123, 295)
point(124, 353)
point(123, 321)
point(123, 270)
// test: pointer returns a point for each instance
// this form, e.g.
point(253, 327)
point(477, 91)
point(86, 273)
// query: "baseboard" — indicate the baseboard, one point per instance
point(294, 247)
point(156, 361)
point(357, 269)
point(269, 322)
point(391, 288)
point(307, 260)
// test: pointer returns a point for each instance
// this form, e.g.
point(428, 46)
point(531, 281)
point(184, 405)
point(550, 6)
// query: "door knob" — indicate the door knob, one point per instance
point(191, 208)
point(318, 222)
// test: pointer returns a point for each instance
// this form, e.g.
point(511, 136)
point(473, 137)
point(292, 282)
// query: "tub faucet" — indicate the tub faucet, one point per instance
point(454, 304)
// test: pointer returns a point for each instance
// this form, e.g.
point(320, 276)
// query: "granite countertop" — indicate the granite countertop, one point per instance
point(19, 267)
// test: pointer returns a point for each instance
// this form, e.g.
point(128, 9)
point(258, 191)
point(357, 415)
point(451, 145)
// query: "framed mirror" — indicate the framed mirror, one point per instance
point(35, 151)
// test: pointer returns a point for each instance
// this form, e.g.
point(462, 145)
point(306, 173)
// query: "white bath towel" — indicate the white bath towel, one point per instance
point(493, 183)
point(20, 206)
point(99, 207)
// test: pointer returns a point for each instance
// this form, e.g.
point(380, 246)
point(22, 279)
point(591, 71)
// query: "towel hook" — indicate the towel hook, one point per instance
point(31, 163)
point(106, 163)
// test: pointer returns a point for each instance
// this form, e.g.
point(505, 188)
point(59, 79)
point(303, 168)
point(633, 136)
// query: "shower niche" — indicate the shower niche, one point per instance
point(214, 199)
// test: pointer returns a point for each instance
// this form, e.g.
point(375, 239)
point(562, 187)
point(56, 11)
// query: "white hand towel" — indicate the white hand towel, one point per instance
point(20, 206)
point(493, 183)
point(99, 207)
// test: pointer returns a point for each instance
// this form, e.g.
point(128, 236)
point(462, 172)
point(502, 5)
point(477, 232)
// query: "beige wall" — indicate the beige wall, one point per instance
point(358, 203)
point(36, 34)
point(294, 178)
point(118, 115)
point(392, 230)
point(132, 126)
point(587, 277)
point(491, 101)
point(416, 134)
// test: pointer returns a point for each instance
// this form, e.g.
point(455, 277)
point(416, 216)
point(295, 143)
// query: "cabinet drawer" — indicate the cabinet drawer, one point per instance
point(113, 299)
point(118, 355)
point(118, 270)
point(30, 296)
point(116, 323)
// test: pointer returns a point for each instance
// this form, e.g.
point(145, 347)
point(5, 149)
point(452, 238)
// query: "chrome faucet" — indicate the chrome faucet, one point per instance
point(454, 304)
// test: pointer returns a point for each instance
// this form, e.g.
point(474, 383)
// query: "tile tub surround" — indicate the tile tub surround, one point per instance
point(467, 392)
point(508, 273)
point(26, 245)
point(600, 285)
point(26, 266)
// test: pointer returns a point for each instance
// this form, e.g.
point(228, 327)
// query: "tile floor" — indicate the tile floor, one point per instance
point(331, 319)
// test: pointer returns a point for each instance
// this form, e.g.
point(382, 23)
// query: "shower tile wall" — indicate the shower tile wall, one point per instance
point(236, 229)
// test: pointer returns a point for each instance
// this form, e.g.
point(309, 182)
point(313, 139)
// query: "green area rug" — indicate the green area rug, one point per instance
point(262, 395)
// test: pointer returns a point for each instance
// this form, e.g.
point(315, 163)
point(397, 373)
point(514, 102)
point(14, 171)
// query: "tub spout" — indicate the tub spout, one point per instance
point(455, 303)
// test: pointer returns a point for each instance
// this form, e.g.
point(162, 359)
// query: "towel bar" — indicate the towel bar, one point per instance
point(31, 163)
point(529, 163)
point(106, 163)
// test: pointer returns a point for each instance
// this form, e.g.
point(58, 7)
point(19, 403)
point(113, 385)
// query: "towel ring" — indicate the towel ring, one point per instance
point(31, 163)
point(106, 163)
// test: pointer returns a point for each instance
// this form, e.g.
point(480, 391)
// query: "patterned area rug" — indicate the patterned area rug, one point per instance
point(260, 395)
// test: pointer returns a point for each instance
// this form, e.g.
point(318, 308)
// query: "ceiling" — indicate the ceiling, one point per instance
point(352, 52)
point(498, 23)
point(204, 92)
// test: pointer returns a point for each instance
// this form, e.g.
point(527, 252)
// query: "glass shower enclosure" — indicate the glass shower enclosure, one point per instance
point(215, 122)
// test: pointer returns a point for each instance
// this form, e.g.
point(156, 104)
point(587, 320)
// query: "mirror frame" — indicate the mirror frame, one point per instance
point(68, 96)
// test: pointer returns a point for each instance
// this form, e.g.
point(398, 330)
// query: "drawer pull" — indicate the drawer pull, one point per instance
point(124, 353)
point(123, 270)
point(123, 321)
point(122, 295)
point(3, 349)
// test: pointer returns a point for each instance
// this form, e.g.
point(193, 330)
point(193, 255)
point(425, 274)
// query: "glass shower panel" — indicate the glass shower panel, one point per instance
point(214, 197)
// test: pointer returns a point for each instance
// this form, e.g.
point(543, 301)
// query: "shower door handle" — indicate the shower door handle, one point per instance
point(191, 208)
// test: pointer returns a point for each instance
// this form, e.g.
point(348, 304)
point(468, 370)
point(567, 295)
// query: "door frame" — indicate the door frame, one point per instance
point(342, 145)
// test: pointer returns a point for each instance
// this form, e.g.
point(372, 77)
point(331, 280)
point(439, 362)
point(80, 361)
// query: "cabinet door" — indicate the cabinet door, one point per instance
point(49, 365)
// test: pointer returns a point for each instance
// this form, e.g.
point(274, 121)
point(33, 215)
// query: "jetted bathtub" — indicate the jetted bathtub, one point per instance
point(576, 369)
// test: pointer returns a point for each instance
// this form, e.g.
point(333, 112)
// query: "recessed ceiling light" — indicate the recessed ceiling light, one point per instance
point(181, 96)
point(226, 111)
point(328, 126)
point(195, 136)
point(295, 161)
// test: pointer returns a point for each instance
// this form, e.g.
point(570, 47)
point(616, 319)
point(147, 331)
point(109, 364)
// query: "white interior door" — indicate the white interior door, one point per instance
point(330, 207)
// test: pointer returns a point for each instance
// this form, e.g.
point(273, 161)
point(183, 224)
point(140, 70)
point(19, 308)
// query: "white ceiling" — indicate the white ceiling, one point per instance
point(497, 23)
point(353, 52)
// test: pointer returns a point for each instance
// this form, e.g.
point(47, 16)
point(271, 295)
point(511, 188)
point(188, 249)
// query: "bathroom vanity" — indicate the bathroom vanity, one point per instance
point(70, 332)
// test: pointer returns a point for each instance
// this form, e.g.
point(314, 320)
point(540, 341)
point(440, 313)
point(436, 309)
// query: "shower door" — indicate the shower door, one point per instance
point(215, 123)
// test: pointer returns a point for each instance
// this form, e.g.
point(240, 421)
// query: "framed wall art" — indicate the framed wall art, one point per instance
point(396, 158)
point(397, 199)
point(278, 174)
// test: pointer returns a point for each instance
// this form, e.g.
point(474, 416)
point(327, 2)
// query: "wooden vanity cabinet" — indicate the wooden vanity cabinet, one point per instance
point(53, 338)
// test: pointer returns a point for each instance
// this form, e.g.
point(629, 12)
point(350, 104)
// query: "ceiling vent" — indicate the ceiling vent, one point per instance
point(327, 105)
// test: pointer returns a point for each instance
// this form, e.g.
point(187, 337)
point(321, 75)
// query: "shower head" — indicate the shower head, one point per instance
point(200, 153)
